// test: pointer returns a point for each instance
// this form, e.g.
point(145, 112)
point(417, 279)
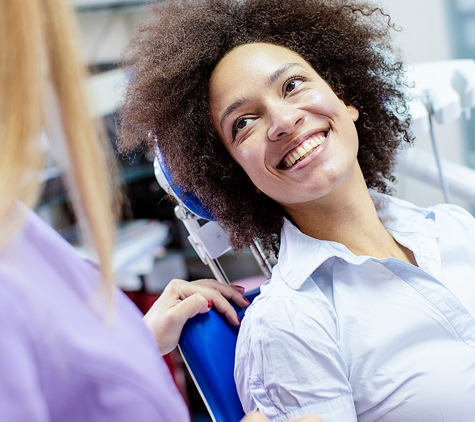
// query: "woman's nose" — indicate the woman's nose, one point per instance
point(284, 120)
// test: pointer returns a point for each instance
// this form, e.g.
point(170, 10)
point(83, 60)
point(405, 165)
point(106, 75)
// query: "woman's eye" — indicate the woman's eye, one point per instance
point(240, 124)
point(292, 84)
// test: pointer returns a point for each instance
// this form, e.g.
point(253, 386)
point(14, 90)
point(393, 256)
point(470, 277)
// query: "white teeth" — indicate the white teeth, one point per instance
point(303, 150)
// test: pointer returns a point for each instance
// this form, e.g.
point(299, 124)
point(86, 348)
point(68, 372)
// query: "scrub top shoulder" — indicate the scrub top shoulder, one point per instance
point(64, 356)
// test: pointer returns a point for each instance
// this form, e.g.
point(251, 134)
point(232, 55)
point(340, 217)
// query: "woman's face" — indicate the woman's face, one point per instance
point(282, 123)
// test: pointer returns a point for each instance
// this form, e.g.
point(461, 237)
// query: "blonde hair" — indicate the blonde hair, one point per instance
point(38, 51)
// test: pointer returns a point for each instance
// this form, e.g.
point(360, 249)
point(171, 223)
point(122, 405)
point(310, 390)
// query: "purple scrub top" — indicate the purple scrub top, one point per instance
point(61, 359)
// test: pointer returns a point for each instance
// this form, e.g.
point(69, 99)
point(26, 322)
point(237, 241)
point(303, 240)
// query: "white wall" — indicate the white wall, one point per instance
point(104, 34)
point(425, 32)
point(425, 37)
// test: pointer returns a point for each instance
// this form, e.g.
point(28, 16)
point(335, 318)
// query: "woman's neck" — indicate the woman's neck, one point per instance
point(348, 216)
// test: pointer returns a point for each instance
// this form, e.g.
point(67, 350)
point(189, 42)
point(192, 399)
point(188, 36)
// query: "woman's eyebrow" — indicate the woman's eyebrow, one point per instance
point(281, 70)
point(229, 109)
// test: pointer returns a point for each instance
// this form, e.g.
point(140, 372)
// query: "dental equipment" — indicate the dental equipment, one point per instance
point(443, 91)
point(209, 240)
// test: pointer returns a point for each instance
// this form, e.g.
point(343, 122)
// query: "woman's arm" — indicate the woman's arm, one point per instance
point(182, 300)
point(288, 361)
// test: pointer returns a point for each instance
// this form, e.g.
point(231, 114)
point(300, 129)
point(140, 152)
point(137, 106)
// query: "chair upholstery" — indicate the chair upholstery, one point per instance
point(208, 345)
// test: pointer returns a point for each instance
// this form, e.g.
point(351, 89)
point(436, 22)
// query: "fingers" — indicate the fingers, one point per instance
point(213, 291)
point(167, 317)
point(223, 306)
point(189, 307)
point(182, 300)
point(184, 310)
point(229, 291)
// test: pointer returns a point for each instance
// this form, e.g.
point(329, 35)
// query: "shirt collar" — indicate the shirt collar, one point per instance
point(401, 219)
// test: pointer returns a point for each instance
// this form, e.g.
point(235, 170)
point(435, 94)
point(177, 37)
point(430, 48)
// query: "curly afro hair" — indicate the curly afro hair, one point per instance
point(170, 62)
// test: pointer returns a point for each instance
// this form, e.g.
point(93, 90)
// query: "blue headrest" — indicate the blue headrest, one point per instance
point(189, 200)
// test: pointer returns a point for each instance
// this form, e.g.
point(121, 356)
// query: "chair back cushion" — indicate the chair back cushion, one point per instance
point(208, 344)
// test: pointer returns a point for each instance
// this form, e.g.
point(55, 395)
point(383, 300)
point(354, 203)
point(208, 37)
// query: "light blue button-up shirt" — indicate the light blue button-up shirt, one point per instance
point(351, 337)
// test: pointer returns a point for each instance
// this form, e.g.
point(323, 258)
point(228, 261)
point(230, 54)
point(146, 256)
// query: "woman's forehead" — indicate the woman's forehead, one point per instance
point(248, 62)
point(253, 53)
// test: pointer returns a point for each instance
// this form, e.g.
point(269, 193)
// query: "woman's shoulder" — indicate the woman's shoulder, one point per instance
point(454, 212)
point(454, 221)
point(392, 209)
point(279, 307)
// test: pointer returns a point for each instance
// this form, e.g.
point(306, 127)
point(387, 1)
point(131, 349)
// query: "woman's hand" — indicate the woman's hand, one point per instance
point(257, 417)
point(182, 300)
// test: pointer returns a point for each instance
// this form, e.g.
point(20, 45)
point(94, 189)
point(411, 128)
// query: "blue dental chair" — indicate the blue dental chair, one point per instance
point(208, 341)
point(207, 345)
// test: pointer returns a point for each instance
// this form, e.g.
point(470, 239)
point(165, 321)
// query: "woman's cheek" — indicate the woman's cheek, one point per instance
point(246, 153)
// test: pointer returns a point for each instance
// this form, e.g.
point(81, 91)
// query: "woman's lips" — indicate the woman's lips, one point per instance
point(303, 150)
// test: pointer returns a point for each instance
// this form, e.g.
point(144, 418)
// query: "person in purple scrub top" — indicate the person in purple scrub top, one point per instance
point(284, 117)
point(72, 346)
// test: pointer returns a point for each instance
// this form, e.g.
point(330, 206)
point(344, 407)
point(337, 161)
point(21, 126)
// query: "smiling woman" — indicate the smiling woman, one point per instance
point(279, 115)
point(173, 56)
point(283, 125)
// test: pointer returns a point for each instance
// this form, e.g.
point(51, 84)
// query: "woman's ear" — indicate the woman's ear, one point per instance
point(353, 112)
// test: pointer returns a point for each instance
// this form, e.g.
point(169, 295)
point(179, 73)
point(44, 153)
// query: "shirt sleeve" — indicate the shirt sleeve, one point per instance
point(288, 363)
point(21, 398)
